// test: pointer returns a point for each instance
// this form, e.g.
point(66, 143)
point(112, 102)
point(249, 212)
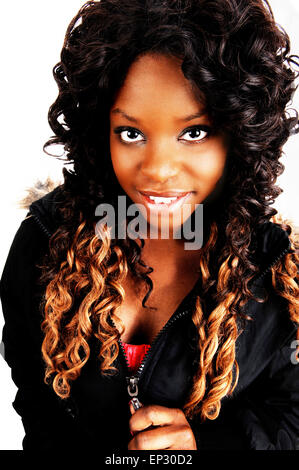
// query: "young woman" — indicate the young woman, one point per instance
point(121, 342)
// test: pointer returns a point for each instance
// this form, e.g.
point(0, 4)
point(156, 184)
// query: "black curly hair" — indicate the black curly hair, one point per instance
point(239, 64)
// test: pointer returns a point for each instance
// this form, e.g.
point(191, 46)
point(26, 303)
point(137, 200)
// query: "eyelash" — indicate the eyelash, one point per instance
point(204, 128)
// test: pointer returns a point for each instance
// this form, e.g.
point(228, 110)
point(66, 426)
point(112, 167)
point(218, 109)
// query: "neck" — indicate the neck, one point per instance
point(167, 252)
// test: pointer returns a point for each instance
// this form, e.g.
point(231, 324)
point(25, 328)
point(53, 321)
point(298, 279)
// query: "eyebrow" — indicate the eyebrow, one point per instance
point(132, 119)
point(125, 115)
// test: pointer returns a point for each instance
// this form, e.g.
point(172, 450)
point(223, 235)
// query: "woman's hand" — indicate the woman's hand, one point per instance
point(158, 427)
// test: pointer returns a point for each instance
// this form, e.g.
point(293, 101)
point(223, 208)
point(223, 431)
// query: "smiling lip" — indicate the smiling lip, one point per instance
point(165, 194)
point(172, 204)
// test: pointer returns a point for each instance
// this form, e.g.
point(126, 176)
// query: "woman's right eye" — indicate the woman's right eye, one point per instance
point(129, 135)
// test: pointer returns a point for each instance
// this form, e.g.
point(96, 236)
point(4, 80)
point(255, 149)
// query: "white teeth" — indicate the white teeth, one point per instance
point(163, 200)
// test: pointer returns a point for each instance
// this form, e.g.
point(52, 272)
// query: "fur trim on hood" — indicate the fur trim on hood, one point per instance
point(38, 190)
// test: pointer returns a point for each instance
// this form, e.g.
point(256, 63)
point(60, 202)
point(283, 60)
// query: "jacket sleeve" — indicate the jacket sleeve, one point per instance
point(269, 411)
point(48, 423)
point(265, 416)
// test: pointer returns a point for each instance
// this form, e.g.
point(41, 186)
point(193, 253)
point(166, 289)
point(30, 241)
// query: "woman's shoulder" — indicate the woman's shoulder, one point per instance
point(37, 226)
point(276, 243)
point(31, 239)
point(26, 249)
point(273, 241)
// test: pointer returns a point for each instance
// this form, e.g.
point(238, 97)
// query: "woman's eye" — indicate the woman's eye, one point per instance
point(195, 134)
point(130, 135)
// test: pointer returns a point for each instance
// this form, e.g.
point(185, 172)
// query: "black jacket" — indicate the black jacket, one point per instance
point(262, 413)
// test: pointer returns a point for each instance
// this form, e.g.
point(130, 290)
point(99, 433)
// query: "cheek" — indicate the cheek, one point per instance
point(209, 166)
point(121, 162)
point(212, 169)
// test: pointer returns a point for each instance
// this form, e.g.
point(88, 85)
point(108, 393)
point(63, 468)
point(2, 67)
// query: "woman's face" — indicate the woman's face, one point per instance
point(161, 141)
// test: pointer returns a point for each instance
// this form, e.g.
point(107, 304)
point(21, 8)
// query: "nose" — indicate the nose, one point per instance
point(159, 164)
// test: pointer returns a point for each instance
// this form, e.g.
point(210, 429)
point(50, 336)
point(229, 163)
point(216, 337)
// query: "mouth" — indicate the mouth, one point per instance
point(170, 200)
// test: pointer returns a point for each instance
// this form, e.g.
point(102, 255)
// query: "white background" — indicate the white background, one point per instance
point(31, 37)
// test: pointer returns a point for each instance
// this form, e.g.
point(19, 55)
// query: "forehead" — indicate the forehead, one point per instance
point(154, 82)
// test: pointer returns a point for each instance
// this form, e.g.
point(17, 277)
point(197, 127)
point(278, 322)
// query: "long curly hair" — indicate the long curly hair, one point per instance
point(239, 60)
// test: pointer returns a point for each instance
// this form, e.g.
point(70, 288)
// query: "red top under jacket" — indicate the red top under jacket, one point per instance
point(135, 353)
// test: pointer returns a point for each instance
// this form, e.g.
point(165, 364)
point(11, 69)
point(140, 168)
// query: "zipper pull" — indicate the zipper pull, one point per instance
point(132, 386)
point(133, 392)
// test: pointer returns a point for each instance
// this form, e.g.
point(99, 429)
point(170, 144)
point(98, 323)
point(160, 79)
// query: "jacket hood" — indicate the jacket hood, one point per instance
point(42, 202)
point(272, 241)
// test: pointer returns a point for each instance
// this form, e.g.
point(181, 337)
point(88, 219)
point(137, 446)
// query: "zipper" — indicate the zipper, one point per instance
point(133, 380)
point(41, 225)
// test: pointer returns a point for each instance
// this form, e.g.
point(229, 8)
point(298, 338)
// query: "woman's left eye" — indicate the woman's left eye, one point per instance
point(195, 134)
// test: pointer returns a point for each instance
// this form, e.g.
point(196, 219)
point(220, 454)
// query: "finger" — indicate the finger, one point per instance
point(165, 437)
point(152, 439)
point(155, 415)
